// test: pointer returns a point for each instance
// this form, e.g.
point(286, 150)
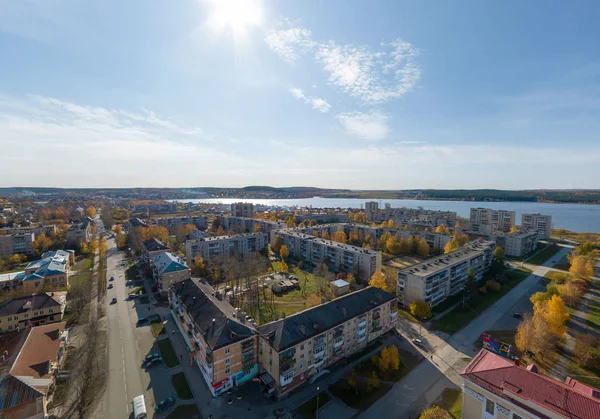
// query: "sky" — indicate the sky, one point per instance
point(326, 93)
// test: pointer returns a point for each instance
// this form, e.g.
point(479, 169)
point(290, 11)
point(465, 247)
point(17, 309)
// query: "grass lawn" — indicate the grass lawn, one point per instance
point(307, 409)
point(452, 402)
point(407, 316)
point(83, 267)
point(343, 391)
point(158, 327)
point(408, 361)
point(144, 299)
point(401, 262)
point(544, 255)
point(576, 237)
point(461, 316)
point(168, 353)
point(187, 411)
point(557, 278)
point(181, 386)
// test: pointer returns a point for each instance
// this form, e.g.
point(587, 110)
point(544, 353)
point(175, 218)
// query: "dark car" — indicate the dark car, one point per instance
point(517, 315)
point(112, 278)
point(110, 286)
point(142, 320)
point(114, 300)
point(165, 404)
point(151, 357)
point(154, 361)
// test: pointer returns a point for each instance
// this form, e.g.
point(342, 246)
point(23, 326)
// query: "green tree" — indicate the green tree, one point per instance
point(434, 412)
point(499, 253)
point(420, 309)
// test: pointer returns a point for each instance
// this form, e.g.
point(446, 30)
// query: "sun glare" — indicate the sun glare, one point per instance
point(235, 16)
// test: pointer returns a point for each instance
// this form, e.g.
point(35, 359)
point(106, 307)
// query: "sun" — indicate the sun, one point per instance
point(237, 17)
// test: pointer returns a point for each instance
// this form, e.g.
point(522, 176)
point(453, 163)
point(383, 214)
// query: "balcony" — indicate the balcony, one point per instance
point(285, 379)
point(319, 351)
point(361, 339)
point(394, 315)
point(287, 365)
point(337, 343)
point(319, 363)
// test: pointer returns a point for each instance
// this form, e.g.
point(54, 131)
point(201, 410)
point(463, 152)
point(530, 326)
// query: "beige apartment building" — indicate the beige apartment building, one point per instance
point(168, 269)
point(517, 244)
point(172, 223)
point(242, 209)
point(21, 243)
point(31, 310)
point(239, 225)
point(497, 387)
point(540, 223)
point(339, 257)
point(151, 248)
point(487, 221)
point(237, 244)
point(439, 277)
point(52, 271)
point(300, 346)
point(219, 344)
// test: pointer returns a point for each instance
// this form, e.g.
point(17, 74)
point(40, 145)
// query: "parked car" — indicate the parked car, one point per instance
point(112, 278)
point(110, 286)
point(517, 315)
point(132, 296)
point(154, 362)
point(114, 300)
point(417, 342)
point(150, 357)
point(165, 404)
point(142, 320)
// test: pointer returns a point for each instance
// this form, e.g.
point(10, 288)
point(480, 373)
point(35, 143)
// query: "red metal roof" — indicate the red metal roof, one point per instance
point(513, 382)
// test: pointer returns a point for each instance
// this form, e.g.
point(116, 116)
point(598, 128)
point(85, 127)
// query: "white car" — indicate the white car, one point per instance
point(417, 342)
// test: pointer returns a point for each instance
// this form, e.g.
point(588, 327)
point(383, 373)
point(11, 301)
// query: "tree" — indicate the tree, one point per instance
point(393, 245)
point(121, 240)
point(351, 279)
point(404, 246)
point(118, 229)
point(389, 359)
point(220, 231)
point(581, 267)
point(471, 279)
point(340, 237)
point(256, 228)
point(283, 267)
point(525, 337)
point(434, 412)
point(586, 350)
point(499, 254)
point(514, 229)
point(325, 235)
point(372, 382)
point(41, 244)
point(382, 242)
point(378, 280)
point(284, 252)
point(451, 246)
point(199, 265)
point(442, 229)
point(90, 211)
point(422, 248)
point(556, 315)
point(412, 245)
point(492, 285)
point(420, 309)
point(189, 228)
point(276, 245)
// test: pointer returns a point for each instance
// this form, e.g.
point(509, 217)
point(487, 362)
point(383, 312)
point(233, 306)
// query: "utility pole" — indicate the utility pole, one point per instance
point(317, 411)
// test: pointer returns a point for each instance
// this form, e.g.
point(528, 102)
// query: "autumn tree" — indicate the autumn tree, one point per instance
point(499, 254)
point(382, 242)
point(514, 229)
point(389, 359)
point(586, 350)
point(118, 229)
point(422, 248)
point(393, 245)
point(442, 229)
point(340, 237)
point(199, 265)
point(451, 246)
point(325, 235)
point(276, 245)
point(525, 337)
point(492, 285)
point(581, 266)
point(284, 252)
point(378, 280)
point(351, 279)
point(420, 309)
point(283, 267)
point(220, 231)
point(90, 211)
point(155, 232)
point(256, 227)
point(404, 246)
point(189, 228)
point(41, 244)
point(372, 382)
point(557, 314)
point(434, 412)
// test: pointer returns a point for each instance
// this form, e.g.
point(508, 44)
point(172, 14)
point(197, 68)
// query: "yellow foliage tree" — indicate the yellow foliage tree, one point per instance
point(284, 252)
point(581, 266)
point(90, 211)
point(514, 229)
point(525, 337)
point(393, 245)
point(276, 245)
point(340, 237)
point(556, 315)
point(378, 280)
point(451, 246)
point(41, 244)
point(434, 412)
point(420, 309)
point(199, 265)
point(189, 228)
point(325, 235)
point(389, 359)
point(423, 248)
point(442, 229)
point(256, 227)
point(118, 229)
point(283, 267)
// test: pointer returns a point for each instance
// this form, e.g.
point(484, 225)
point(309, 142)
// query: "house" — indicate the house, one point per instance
point(497, 387)
point(151, 248)
point(219, 344)
point(31, 310)
point(293, 349)
point(30, 363)
point(169, 269)
point(339, 287)
point(51, 271)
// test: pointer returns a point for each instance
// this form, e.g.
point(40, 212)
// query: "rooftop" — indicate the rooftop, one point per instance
point(462, 254)
point(516, 383)
point(30, 302)
point(168, 262)
point(340, 283)
point(329, 243)
point(153, 245)
point(290, 331)
point(227, 237)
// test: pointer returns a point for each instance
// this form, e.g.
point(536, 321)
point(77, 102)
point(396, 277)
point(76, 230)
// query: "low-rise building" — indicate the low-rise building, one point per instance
point(323, 217)
point(242, 209)
point(339, 287)
point(32, 359)
point(172, 223)
point(151, 248)
point(50, 272)
point(540, 223)
point(236, 244)
point(439, 277)
point(339, 257)
point(293, 349)
point(220, 345)
point(31, 310)
point(135, 222)
point(80, 231)
point(36, 229)
point(169, 269)
point(517, 244)
point(12, 280)
point(497, 387)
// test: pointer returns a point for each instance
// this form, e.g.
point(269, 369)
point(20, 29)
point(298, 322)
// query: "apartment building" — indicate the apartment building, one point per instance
point(410, 217)
point(198, 234)
point(220, 345)
point(31, 310)
point(439, 277)
point(487, 221)
point(237, 244)
point(537, 222)
point(242, 209)
point(50, 272)
point(518, 243)
point(21, 243)
point(293, 349)
point(151, 248)
point(496, 387)
point(31, 360)
point(164, 208)
point(323, 217)
point(168, 269)
point(240, 225)
point(11, 280)
point(172, 223)
point(372, 209)
point(36, 229)
point(339, 257)
point(80, 231)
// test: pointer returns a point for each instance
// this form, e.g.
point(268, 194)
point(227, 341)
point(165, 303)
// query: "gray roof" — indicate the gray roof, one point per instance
point(152, 245)
point(16, 305)
point(217, 328)
point(288, 332)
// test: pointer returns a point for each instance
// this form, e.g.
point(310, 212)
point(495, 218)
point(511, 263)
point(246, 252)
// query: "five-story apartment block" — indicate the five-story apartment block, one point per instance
point(540, 223)
point(237, 244)
point(172, 223)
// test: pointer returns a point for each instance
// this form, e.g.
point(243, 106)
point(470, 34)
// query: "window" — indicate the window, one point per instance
point(227, 351)
point(26, 315)
point(227, 371)
point(50, 310)
point(289, 375)
point(10, 319)
point(301, 347)
point(515, 416)
point(9, 327)
point(227, 361)
point(301, 367)
point(489, 406)
point(302, 356)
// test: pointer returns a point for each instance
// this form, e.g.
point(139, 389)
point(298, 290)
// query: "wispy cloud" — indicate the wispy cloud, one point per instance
point(317, 103)
point(289, 43)
point(370, 126)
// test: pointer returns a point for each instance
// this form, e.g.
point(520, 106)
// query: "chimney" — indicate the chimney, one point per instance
point(532, 368)
point(517, 361)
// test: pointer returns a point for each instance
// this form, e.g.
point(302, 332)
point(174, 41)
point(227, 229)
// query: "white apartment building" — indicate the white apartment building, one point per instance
point(487, 221)
point(293, 349)
point(339, 257)
point(442, 276)
point(371, 208)
point(171, 223)
point(237, 244)
point(538, 222)
point(21, 243)
point(517, 244)
point(240, 225)
point(242, 209)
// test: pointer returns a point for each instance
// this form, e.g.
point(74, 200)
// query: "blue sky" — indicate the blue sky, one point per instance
point(360, 95)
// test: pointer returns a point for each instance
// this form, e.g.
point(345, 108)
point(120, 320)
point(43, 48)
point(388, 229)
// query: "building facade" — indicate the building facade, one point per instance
point(239, 225)
point(237, 244)
point(497, 387)
point(540, 223)
point(487, 221)
point(21, 243)
point(168, 269)
point(52, 271)
point(151, 248)
point(221, 346)
point(31, 310)
point(517, 244)
point(339, 257)
point(242, 209)
point(80, 231)
point(172, 223)
point(294, 349)
point(439, 277)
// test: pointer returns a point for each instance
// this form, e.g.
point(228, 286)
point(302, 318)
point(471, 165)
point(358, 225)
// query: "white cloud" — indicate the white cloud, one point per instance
point(317, 103)
point(288, 43)
point(370, 126)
